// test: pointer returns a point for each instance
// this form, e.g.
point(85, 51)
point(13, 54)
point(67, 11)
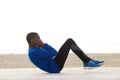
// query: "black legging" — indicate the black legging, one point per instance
point(64, 50)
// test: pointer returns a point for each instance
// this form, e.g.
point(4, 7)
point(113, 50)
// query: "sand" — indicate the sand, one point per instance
point(18, 67)
point(21, 60)
point(66, 74)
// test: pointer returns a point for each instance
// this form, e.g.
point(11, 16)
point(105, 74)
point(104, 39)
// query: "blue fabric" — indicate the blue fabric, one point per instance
point(43, 58)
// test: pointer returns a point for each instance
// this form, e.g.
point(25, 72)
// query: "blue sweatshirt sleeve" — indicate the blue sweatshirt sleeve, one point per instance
point(46, 52)
point(50, 49)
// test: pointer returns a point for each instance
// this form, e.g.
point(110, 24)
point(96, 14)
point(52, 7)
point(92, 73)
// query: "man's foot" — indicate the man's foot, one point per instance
point(91, 64)
point(97, 62)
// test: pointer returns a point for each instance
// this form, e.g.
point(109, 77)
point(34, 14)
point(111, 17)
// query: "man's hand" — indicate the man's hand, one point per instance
point(37, 42)
point(41, 43)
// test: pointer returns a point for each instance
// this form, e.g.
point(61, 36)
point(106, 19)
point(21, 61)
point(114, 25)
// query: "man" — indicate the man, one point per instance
point(48, 59)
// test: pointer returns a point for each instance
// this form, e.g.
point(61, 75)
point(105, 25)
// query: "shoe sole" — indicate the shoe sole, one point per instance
point(100, 63)
point(90, 67)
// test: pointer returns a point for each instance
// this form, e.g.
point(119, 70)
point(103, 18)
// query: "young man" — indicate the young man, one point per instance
point(48, 59)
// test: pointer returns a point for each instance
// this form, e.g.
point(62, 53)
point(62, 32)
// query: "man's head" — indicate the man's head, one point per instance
point(31, 36)
point(33, 39)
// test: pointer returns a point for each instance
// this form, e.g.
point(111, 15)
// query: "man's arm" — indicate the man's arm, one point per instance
point(50, 49)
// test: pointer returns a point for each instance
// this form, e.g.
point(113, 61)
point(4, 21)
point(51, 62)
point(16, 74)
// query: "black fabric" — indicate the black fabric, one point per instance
point(64, 51)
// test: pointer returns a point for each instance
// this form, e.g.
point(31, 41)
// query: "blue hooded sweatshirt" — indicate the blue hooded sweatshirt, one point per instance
point(43, 58)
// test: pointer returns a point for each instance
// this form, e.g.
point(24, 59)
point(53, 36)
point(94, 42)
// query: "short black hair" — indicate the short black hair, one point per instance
point(30, 36)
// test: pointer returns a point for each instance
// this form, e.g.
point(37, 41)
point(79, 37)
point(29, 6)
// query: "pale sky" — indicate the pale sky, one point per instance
point(93, 24)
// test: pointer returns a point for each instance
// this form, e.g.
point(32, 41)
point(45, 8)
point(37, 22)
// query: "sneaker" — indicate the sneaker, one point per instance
point(98, 62)
point(91, 64)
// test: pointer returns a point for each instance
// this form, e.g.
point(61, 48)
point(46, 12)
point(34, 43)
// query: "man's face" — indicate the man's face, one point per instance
point(35, 40)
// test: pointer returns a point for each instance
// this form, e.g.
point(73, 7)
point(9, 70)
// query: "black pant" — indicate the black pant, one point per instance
point(64, 50)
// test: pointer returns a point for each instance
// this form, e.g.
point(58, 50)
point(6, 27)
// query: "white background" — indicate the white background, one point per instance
point(93, 24)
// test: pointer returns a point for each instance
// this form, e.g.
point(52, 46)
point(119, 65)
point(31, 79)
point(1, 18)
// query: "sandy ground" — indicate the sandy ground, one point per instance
point(102, 73)
point(18, 67)
point(21, 60)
